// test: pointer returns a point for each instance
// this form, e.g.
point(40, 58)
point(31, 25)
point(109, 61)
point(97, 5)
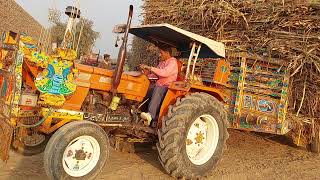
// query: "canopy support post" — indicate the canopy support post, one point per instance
point(194, 54)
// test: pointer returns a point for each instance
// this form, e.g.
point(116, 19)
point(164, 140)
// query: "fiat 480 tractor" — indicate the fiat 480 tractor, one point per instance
point(75, 113)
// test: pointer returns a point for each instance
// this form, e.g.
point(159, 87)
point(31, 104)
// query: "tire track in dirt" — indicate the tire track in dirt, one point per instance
point(248, 156)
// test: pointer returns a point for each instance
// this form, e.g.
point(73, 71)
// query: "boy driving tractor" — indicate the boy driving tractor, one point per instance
point(166, 73)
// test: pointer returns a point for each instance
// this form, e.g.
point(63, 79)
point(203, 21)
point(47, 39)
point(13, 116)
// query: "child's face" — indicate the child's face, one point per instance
point(164, 55)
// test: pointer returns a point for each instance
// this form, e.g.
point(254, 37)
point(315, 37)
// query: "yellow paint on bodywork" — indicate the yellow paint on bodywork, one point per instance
point(52, 99)
point(64, 117)
point(63, 114)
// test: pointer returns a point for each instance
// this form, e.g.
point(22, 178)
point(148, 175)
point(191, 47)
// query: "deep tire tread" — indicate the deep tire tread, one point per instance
point(174, 124)
point(50, 153)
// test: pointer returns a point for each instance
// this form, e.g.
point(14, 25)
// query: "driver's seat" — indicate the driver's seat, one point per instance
point(180, 74)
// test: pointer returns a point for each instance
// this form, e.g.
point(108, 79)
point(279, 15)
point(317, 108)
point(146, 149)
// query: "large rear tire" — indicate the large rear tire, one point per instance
point(78, 150)
point(193, 136)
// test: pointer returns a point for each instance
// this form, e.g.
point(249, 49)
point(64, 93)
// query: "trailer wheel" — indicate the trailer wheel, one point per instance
point(78, 150)
point(315, 142)
point(193, 136)
point(31, 145)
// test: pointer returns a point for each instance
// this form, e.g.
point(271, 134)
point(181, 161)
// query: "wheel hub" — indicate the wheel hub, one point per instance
point(81, 156)
point(199, 137)
point(202, 139)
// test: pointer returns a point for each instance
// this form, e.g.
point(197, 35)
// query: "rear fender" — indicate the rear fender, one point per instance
point(175, 90)
point(216, 92)
point(180, 89)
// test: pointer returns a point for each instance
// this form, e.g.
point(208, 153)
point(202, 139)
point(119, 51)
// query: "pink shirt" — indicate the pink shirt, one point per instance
point(167, 71)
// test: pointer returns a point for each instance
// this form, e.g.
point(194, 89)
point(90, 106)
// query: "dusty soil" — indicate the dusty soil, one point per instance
point(248, 156)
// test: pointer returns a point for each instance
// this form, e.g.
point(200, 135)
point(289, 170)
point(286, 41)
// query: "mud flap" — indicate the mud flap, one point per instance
point(6, 132)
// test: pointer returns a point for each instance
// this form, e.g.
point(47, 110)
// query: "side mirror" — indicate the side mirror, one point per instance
point(117, 40)
point(120, 28)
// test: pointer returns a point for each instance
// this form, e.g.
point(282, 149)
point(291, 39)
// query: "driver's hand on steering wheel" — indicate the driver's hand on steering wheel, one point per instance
point(143, 66)
point(145, 69)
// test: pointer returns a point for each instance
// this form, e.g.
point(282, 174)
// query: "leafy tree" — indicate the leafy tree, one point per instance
point(88, 36)
point(142, 52)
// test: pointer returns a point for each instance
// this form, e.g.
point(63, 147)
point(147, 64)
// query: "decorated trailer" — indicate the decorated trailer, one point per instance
point(75, 113)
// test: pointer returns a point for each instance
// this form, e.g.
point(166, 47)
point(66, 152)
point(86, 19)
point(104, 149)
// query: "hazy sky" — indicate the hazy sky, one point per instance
point(104, 13)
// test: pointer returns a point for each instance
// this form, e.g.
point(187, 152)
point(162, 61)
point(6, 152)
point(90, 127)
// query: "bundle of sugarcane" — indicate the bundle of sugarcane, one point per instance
point(285, 29)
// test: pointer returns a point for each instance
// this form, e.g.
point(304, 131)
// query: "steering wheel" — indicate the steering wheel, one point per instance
point(147, 72)
point(144, 71)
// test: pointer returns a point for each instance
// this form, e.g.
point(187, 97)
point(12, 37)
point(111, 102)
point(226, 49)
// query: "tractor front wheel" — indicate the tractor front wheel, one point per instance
point(78, 150)
point(193, 136)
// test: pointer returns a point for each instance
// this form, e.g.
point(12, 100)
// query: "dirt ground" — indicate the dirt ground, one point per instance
point(248, 156)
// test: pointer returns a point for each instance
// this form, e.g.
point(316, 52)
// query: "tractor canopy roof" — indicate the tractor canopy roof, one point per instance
point(169, 35)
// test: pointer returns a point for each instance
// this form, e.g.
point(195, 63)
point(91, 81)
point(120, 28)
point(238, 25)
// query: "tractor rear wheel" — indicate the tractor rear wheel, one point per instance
point(78, 150)
point(193, 136)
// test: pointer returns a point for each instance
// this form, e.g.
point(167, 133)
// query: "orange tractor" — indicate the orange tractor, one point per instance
point(76, 130)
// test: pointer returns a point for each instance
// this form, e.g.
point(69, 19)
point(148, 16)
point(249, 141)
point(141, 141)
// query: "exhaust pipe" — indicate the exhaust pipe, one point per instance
point(121, 56)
